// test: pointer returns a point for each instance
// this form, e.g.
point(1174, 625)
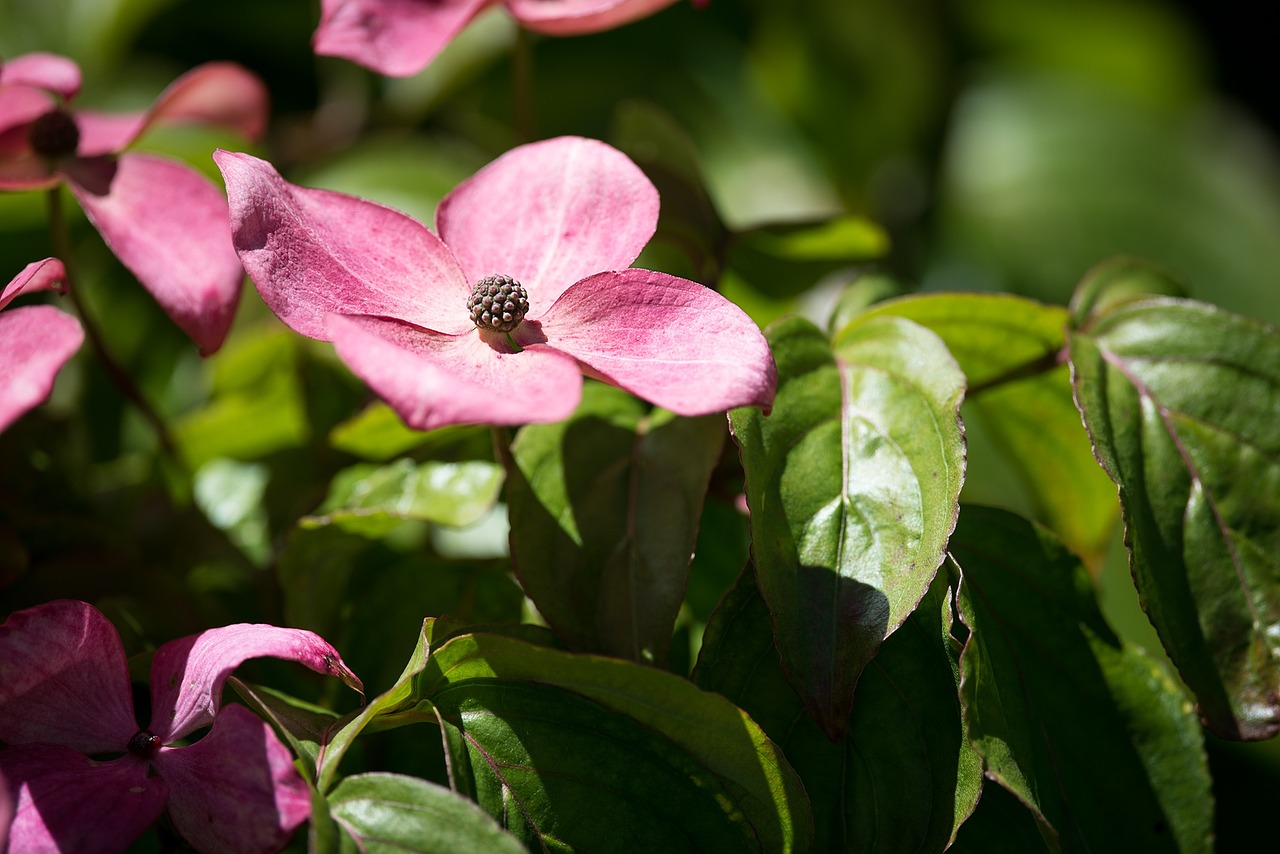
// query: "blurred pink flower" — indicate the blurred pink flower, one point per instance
point(534, 229)
point(164, 220)
point(66, 708)
point(402, 37)
point(35, 341)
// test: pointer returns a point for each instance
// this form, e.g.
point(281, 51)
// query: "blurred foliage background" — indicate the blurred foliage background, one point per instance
point(979, 145)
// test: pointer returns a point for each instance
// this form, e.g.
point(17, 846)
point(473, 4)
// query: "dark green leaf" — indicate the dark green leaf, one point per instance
point(391, 812)
point(852, 483)
point(1182, 401)
point(903, 778)
point(1019, 397)
point(604, 511)
point(654, 764)
point(1088, 731)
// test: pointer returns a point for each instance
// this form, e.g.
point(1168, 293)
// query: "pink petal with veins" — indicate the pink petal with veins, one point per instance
point(187, 674)
point(46, 275)
point(392, 37)
point(313, 253)
point(168, 224)
point(35, 342)
point(670, 341)
point(574, 17)
point(44, 71)
point(434, 380)
point(69, 802)
point(236, 789)
point(19, 106)
point(63, 678)
point(548, 214)
point(7, 801)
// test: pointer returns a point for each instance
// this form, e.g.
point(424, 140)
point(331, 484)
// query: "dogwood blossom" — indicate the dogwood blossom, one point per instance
point(35, 341)
point(402, 37)
point(164, 220)
point(545, 233)
point(83, 776)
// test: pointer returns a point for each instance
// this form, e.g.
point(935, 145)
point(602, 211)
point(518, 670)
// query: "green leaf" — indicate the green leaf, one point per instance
point(372, 500)
point(377, 433)
point(604, 511)
point(1181, 400)
point(1088, 731)
point(655, 764)
point(852, 483)
point(903, 778)
point(392, 812)
point(1019, 401)
point(1119, 280)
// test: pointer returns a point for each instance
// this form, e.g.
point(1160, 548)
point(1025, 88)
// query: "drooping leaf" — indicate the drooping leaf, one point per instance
point(1088, 731)
point(393, 813)
point(372, 500)
point(1019, 394)
point(904, 777)
point(1182, 400)
point(655, 764)
point(604, 509)
point(852, 484)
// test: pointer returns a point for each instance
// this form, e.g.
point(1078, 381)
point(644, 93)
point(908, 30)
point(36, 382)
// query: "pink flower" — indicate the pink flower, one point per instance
point(85, 777)
point(401, 37)
point(35, 341)
point(164, 220)
point(538, 224)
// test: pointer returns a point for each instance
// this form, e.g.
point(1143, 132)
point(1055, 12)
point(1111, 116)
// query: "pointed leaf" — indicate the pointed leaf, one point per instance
point(654, 764)
point(1088, 731)
point(852, 484)
point(904, 777)
point(392, 813)
point(604, 511)
point(1020, 395)
point(1181, 400)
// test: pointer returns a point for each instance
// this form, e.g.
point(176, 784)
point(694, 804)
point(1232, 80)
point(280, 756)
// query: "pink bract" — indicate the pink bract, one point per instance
point(35, 341)
point(565, 218)
point(402, 37)
point(164, 220)
point(66, 706)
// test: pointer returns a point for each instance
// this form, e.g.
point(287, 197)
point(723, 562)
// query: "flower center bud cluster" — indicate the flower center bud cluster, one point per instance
point(498, 303)
point(144, 744)
point(54, 134)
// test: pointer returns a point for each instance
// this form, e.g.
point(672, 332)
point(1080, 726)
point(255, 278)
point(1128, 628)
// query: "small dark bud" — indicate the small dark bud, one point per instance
point(144, 744)
point(498, 303)
point(54, 134)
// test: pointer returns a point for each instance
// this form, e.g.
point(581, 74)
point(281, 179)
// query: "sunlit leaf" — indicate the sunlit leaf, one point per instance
point(1182, 400)
point(852, 483)
point(1087, 730)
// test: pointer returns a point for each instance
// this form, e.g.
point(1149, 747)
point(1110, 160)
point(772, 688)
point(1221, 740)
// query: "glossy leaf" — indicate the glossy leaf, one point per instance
point(904, 777)
point(852, 484)
point(604, 511)
point(1088, 731)
point(1019, 394)
point(372, 500)
point(393, 813)
point(1181, 400)
point(655, 764)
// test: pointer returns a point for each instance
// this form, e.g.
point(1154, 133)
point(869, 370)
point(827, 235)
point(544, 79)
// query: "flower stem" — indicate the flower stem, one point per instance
point(522, 85)
point(1032, 367)
point(61, 239)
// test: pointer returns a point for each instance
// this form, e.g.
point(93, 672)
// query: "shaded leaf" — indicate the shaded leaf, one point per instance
point(392, 812)
point(1181, 400)
point(1011, 350)
point(1088, 731)
point(604, 511)
point(852, 484)
point(904, 777)
point(377, 433)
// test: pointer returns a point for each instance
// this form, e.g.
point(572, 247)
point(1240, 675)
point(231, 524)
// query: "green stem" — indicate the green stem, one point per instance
point(522, 85)
point(1032, 367)
point(61, 239)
